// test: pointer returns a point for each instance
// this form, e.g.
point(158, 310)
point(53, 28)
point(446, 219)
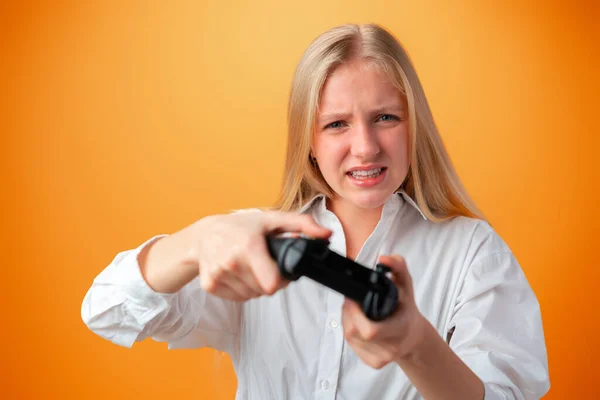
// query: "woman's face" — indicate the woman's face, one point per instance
point(361, 137)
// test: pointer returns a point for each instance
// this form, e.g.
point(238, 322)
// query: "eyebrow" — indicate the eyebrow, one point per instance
point(379, 110)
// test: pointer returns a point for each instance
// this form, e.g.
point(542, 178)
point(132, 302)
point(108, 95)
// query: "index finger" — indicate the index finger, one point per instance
point(265, 269)
point(289, 222)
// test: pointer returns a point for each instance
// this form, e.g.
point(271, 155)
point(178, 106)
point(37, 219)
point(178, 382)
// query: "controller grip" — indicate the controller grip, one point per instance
point(378, 305)
point(288, 256)
point(371, 289)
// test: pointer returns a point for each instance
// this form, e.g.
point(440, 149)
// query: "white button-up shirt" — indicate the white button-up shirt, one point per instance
point(291, 345)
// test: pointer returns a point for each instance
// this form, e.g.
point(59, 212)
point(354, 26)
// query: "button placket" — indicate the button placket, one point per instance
point(331, 351)
point(330, 356)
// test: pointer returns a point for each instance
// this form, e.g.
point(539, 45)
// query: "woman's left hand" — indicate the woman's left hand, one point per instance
point(379, 343)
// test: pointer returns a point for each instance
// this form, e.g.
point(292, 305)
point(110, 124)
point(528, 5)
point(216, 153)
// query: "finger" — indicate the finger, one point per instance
point(288, 222)
point(371, 354)
point(401, 278)
point(222, 290)
point(349, 328)
point(397, 264)
point(235, 270)
point(364, 329)
point(222, 281)
point(240, 287)
point(264, 269)
point(250, 281)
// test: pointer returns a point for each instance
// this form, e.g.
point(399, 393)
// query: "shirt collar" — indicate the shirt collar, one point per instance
point(398, 195)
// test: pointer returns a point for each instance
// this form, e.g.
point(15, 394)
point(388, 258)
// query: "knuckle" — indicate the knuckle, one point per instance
point(208, 284)
point(254, 243)
point(349, 330)
point(385, 360)
point(272, 285)
point(270, 289)
point(307, 218)
point(230, 265)
point(217, 274)
point(370, 333)
point(255, 285)
point(249, 293)
point(270, 218)
point(399, 258)
point(244, 295)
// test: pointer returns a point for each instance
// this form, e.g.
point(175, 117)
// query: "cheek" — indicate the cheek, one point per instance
point(330, 153)
point(396, 146)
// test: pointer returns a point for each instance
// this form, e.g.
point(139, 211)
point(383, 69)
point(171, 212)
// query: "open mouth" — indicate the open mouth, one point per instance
point(367, 174)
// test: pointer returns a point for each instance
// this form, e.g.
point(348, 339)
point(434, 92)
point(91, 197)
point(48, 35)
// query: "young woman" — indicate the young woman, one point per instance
point(365, 168)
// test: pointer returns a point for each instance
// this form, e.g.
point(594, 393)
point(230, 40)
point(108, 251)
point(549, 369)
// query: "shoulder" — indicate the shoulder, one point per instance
point(469, 239)
point(478, 237)
point(485, 241)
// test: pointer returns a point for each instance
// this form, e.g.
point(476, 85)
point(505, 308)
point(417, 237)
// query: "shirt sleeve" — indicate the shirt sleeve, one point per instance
point(122, 308)
point(497, 327)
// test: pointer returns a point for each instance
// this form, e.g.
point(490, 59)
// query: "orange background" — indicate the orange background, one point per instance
point(120, 121)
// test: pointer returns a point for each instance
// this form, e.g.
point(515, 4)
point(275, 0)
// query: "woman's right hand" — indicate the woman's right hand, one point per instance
point(228, 252)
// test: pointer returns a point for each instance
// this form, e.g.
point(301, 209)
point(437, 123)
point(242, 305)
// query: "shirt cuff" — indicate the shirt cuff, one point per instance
point(125, 277)
point(136, 286)
point(495, 392)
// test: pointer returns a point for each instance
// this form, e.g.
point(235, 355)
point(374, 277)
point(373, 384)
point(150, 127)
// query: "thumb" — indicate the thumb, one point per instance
point(397, 264)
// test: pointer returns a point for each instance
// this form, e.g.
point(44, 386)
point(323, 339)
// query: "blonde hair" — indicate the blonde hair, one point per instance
point(431, 182)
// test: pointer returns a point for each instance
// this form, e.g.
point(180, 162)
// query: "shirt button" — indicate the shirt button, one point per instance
point(333, 324)
point(324, 385)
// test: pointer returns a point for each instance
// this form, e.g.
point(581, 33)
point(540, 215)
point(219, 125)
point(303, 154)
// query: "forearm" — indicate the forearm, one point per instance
point(437, 372)
point(121, 308)
point(166, 265)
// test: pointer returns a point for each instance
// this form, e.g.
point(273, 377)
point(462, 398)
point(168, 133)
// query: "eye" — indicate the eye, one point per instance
point(334, 125)
point(388, 117)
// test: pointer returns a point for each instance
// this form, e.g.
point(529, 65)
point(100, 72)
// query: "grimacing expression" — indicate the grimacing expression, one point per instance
point(361, 134)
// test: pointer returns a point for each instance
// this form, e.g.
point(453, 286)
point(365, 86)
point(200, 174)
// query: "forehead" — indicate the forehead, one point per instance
point(360, 81)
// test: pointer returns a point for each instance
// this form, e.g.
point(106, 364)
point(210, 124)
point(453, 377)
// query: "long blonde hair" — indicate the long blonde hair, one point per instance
point(431, 182)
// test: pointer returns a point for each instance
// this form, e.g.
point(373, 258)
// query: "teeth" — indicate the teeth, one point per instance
point(369, 174)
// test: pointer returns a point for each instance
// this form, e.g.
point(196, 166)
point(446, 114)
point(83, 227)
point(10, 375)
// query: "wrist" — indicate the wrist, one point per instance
point(436, 371)
point(415, 351)
point(167, 266)
point(181, 250)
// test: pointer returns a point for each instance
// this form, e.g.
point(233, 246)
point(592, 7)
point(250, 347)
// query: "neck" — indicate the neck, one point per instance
point(357, 223)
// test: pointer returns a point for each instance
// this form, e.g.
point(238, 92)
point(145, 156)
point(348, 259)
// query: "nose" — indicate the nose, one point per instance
point(364, 141)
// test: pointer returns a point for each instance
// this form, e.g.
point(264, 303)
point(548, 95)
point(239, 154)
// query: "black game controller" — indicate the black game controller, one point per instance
point(371, 288)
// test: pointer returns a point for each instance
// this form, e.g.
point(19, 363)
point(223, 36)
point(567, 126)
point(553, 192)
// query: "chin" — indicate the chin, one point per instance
point(368, 200)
